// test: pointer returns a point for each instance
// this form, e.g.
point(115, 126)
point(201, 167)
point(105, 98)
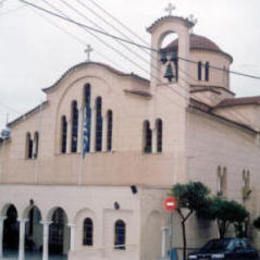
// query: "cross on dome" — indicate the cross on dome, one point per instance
point(170, 8)
point(193, 19)
point(88, 51)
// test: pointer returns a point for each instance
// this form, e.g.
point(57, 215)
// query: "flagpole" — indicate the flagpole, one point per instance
point(82, 146)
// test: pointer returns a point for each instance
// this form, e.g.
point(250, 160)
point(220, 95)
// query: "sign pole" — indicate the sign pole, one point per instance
point(170, 205)
point(171, 234)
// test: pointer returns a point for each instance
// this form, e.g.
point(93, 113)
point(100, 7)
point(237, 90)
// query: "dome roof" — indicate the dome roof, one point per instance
point(200, 43)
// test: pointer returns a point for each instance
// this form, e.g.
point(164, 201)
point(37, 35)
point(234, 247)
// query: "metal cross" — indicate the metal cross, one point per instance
point(88, 51)
point(193, 19)
point(170, 8)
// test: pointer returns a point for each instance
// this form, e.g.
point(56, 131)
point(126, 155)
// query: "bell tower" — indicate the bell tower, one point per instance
point(168, 65)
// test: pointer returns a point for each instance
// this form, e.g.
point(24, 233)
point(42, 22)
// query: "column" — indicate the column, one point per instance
point(22, 223)
point(72, 236)
point(104, 133)
point(45, 252)
point(164, 246)
point(93, 130)
point(2, 219)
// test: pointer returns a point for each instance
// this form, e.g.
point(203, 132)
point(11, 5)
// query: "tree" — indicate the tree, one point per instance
point(225, 212)
point(192, 197)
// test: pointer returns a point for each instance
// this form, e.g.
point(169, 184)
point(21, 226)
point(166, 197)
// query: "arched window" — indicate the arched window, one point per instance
point(36, 145)
point(120, 235)
point(64, 130)
point(74, 126)
point(88, 232)
point(99, 124)
point(199, 70)
point(28, 147)
point(109, 129)
point(87, 94)
point(159, 133)
point(207, 71)
point(87, 119)
point(147, 137)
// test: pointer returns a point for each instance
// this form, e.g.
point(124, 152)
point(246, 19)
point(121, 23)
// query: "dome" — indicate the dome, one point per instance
point(198, 42)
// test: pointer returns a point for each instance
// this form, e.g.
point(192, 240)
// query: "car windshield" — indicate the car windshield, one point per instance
point(215, 245)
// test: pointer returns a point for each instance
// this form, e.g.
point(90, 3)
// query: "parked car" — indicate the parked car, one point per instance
point(227, 249)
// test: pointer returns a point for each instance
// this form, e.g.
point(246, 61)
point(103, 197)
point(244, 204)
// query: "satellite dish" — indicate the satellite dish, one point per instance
point(6, 133)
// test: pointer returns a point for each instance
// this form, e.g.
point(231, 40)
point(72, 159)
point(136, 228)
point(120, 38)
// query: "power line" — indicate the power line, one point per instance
point(74, 10)
point(118, 21)
point(100, 28)
point(128, 41)
point(76, 38)
point(106, 44)
point(117, 51)
point(110, 24)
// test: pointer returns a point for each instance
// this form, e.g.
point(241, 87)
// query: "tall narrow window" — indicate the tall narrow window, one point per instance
point(207, 71)
point(199, 70)
point(109, 130)
point(147, 137)
point(120, 235)
point(36, 145)
point(159, 132)
point(64, 130)
point(74, 126)
point(88, 232)
point(28, 147)
point(87, 119)
point(99, 124)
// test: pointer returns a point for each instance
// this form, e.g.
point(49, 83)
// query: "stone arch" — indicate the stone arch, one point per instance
point(59, 232)
point(11, 230)
point(5, 208)
point(52, 210)
point(33, 229)
point(159, 31)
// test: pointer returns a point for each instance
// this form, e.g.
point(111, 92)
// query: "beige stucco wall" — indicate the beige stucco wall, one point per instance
point(213, 142)
point(126, 164)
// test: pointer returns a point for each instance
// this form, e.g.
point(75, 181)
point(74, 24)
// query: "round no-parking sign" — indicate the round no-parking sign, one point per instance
point(170, 204)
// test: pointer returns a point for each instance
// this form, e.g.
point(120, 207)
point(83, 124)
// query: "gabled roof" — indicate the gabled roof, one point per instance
point(204, 108)
point(27, 114)
point(87, 64)
point(229, 102)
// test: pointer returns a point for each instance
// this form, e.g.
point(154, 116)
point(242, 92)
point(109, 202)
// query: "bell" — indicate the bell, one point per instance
point(163, 58)
point(169, 73)
point(174, 56)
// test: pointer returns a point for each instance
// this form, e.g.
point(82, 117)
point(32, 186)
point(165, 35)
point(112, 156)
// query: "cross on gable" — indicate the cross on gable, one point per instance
point(88, 51)
point(170, 8)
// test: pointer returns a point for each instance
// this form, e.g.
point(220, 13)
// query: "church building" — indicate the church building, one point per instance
point(84, 174)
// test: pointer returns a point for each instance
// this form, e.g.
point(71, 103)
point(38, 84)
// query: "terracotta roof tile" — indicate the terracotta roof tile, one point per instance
point(198, 42)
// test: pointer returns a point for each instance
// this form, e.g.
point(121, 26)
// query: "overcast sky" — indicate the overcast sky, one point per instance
point(34, 53)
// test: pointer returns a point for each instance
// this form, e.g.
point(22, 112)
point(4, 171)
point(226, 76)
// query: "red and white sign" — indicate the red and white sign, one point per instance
point(170, 204)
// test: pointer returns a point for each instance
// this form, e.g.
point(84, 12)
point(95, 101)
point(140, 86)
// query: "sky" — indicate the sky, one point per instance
point(36, 48)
